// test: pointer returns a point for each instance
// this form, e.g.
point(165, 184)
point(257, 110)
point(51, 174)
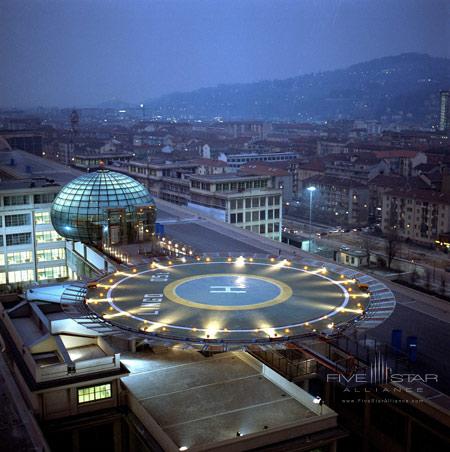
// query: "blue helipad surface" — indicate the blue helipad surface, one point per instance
point(227, 290)
point(228, 300)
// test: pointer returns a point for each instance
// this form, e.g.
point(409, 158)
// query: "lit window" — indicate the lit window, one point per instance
point(20, 276)
point(52, 272)
point(93, 393)
point(51, 254)
point(42, 217)
point(47, 236)
point(19, 257)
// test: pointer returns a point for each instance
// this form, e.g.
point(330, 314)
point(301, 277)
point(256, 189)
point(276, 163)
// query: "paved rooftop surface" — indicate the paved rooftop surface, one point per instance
point(220, 396)
point(21, 164)
point(227, 300)
point(205, 240)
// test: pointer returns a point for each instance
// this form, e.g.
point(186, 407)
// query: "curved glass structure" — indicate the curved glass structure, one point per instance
point(104, 207)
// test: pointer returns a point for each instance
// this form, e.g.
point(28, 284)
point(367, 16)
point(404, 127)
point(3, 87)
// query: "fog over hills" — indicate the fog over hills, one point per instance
point(402, 87)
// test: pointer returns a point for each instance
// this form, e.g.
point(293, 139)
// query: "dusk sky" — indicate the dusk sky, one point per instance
point(83, 52)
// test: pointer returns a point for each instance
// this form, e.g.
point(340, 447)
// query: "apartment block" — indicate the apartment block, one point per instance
point(418, 215)
point(337, 201)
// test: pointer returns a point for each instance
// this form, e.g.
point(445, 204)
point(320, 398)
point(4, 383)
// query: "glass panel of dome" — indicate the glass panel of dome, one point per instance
point(80, 207)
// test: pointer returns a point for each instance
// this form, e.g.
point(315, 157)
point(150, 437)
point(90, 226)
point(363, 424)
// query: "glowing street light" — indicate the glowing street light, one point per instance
point(311, 190)
point(318, 401)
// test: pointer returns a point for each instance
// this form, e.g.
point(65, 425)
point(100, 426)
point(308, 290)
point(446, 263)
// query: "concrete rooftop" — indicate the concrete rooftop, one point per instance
point(219, 396)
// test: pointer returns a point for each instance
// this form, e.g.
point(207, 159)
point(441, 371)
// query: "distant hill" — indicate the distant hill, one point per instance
point(115, 103)
point(403, 88)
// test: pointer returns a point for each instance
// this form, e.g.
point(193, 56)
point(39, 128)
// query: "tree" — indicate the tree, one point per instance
point(392, 245)
point(427, 278)
point(366, 245)
point(443, 284)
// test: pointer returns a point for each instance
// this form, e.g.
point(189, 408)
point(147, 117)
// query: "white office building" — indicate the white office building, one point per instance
point(247, 201)
point(30, 249)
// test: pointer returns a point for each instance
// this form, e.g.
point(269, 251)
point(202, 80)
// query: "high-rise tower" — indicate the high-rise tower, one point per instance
point(444, 114)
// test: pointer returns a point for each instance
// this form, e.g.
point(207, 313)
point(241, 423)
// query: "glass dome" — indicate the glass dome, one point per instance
point(103, 207)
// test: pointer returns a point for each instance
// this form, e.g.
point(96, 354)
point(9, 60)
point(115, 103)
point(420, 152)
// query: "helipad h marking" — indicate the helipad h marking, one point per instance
point(226, 289)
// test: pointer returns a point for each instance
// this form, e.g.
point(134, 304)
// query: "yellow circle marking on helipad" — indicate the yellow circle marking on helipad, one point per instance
point(170, 293)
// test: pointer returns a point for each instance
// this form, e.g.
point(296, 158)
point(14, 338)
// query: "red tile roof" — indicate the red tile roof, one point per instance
point(432, 196)
point(210, 162)
point(332, 180)
point(400, 153)
point(262, 169)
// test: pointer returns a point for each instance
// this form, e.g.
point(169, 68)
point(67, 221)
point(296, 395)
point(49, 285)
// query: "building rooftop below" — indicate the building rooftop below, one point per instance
point(18, 164)
point(219, 396)
point(23, 184)
point(227, 177)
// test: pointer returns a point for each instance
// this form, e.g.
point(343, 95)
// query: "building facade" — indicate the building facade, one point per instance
point(444, 112)
point(338, 201)
point(237, 160)
point(31, 250)
point(249, 202)
point(418, 215)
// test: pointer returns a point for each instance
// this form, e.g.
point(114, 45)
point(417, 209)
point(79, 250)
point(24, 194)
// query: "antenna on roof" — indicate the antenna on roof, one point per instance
point(74, 123)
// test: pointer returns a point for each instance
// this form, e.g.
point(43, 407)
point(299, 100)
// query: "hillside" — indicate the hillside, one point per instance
point(404, 87)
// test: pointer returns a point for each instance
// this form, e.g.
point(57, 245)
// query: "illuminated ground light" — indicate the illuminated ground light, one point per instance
point(193, 300)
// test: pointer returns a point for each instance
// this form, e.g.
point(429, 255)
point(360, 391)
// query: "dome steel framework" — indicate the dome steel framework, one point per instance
point(86, 208)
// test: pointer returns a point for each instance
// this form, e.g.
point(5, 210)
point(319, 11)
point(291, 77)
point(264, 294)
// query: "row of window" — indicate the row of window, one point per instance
point(24, 219)
point(23, 257)
point(54, 254)
point(254, 202)
point(257, 215)
point(230, 186)
point(24, 238)
point(264, 229)
point(411, 201)
point(52, 272)
point(21, 200)
point(47, 236)
point(93, 393)
point(21, 219)
point(20, 276)
point(18, 257)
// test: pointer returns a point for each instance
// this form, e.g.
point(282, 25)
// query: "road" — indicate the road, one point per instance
point(432, 261)
point(416, 314)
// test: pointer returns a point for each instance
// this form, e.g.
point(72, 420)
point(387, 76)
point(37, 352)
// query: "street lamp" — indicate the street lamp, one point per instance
point(318, 401)
point(311, 190)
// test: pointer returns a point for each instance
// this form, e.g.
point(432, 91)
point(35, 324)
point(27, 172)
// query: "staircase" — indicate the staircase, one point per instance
point(73, 303)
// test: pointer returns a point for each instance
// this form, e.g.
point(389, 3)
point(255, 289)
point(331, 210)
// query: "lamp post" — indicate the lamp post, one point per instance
point(318, 401)
point(311, 190)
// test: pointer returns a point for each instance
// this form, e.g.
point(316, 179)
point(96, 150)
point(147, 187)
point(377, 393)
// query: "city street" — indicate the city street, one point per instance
point(432, 261)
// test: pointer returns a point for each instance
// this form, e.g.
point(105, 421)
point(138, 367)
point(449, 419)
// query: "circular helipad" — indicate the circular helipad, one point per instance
point(240, 300)
point(227, 291)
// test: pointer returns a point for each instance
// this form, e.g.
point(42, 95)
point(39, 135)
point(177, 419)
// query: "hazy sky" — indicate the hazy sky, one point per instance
point(82, 52)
